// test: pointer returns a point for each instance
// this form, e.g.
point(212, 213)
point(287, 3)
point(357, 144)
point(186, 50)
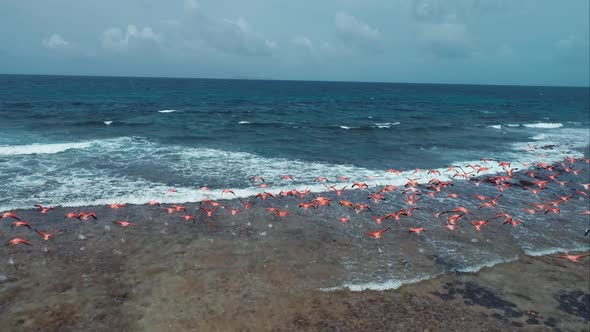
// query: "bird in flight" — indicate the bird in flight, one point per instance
point(416, 230)
point(44, 209)
point(378, 234)
point(17, 241)
point(573, 258)
point(9, 215)
point(125, 223)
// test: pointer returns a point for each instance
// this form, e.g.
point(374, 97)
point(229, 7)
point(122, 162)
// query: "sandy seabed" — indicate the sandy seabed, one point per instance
point(228, 275)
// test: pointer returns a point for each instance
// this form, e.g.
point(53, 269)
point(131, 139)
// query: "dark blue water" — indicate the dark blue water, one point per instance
point(111, 131)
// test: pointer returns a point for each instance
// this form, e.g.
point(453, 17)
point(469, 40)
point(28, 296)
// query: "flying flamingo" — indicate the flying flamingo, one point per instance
point(209, 212)
point(21, 224)
point(416, 230)
point(360, 185)
point(573, 258)
point(44, 209)
point(233, 211)
point(125, 223)
point(9, 215)
point(45, 235)
point(72, 215)
point(85, 216)
point(479, 224)
point(346, 203)
point(378, 234)
point(228, 191)
point(17, 241)
point(115, 206)
point(188, 217)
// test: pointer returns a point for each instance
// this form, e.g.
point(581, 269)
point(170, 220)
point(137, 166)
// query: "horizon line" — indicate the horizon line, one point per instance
point(294, 80)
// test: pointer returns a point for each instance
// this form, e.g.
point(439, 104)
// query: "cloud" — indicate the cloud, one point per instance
point(353, 31)
point(303, 42)
point(55, 41)
point(435, 11)
point(199, 32)
point(237, 37)
point(445, 11)
point(133, 37)
point(446, 40)
point(573, 48)
point(191, 5)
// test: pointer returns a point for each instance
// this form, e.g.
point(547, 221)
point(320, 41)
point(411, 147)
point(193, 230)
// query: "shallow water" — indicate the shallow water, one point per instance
point(75, 141)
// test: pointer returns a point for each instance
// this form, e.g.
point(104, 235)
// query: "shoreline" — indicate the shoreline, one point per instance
point(257, 271)
point(374, 178)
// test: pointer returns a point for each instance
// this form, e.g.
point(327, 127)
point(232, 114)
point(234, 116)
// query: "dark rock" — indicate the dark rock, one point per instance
point(551, 322)
point(575, 303)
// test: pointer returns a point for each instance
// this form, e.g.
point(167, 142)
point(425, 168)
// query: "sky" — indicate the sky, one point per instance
point(522, 42)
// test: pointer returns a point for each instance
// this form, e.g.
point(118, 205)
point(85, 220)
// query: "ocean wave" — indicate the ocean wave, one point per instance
point(478, 267)
point(386, 125)
point(543, 125)
point(108, 123)
point(244, 122)
point(554, 250)
point(167, 111)
point(495, 126)
point(41, 148)
point(378, 285)
point(393, 284)
point(188, 168)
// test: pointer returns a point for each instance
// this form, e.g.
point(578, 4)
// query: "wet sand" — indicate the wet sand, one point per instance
point(241, 274)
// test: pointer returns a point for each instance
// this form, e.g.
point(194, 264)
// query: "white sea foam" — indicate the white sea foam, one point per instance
point(384, 125)
point(378, 285)
point(397, 283)
point(554, 250)
point(195, 164)
point(244, 122)
point(167, 111)
point(543, 125)
point(344, 127)
point(108, 123)
point(41, 148)
point(495, 126)
point(513, 125)
point(492, 263)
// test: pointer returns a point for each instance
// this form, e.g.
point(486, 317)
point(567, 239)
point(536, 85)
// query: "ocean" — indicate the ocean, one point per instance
point(90, 140)
point(87, 141)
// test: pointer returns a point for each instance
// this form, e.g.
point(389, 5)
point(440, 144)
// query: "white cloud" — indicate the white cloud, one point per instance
point(55, 41)
point(446, 40)
point(452, 11)
point(573, 48)
point(303, 42)
point(354, 31)
point(200, 31)
point(435, 11)
point(571, 42)
point(191, 5)
point(122, 40)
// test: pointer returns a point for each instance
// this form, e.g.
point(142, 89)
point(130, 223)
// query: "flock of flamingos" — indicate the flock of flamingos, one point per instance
point(539, 175)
